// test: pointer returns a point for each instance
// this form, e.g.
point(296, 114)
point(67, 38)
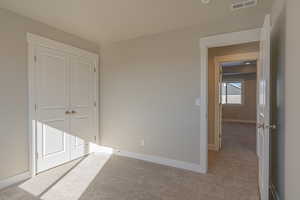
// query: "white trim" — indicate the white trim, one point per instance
point(94, 148)
point(149, 158)
point(206, 43)
point(31, 108)
point(162, 161)
point(97, 100)
point(240, 121)
point(14, 180)
point(274, 192)
point(33, 42)
point(213, 147)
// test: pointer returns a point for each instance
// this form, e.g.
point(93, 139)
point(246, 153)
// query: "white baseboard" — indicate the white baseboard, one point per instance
point(14, 180)
point(240, 121)
point(213, 147)
point(163, 161)
point(95, 148)
point(274, 192)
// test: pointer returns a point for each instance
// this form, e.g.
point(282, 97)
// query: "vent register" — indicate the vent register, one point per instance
point(239, 4)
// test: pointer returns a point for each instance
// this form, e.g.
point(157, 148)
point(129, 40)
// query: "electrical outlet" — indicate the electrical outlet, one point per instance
point(142, 143)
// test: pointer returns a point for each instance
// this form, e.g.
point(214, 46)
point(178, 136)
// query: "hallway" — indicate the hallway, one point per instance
point(236, 163)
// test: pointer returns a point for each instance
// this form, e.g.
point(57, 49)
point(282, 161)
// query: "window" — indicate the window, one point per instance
point(232, 92)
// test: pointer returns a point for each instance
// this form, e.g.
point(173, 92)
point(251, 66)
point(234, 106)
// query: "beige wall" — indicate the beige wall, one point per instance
point(285, 61)
point(13, 86)
point(292, 96)
point(149, 86)
point(246, 111)
point(212, 53)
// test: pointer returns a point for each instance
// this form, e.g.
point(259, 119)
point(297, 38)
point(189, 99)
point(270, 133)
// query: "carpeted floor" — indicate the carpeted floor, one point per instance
point(232, 176)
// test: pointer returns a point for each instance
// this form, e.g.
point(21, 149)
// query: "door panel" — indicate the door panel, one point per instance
point(263, 110)
point(54, 139)
point(82, 122)
point(79, 147)
point(52, 101)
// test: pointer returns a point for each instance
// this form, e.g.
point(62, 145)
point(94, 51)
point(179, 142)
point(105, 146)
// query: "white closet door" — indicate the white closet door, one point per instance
point(81, 105)
point(52, 87)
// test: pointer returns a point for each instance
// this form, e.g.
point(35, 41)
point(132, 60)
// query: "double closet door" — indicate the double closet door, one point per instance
point(65, 107)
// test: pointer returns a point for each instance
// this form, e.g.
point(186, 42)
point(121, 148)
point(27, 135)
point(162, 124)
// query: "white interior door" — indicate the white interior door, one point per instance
point(82, 106)
point(52, 87)
point(263, 114)
point(62, 96)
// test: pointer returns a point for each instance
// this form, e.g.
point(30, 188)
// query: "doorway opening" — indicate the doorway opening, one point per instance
point(232, 98)
point(236, 108)
point(262, 36)
point(232, 103)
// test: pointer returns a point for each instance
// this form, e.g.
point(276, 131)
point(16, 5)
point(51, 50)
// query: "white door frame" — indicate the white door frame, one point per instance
point(34, 41)
point(226, 39)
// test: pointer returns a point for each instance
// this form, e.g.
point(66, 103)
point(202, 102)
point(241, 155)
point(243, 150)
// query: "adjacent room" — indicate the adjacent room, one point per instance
point(232, 72)
point(149, 100)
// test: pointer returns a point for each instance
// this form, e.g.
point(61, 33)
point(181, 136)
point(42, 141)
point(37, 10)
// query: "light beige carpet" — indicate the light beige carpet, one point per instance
point(232, 176)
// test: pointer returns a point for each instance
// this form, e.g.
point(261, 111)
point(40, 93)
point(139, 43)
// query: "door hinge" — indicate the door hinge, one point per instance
point(95, 103)
point(95, 69)
point(35, 58)
point(35, 107)
point(95, 138)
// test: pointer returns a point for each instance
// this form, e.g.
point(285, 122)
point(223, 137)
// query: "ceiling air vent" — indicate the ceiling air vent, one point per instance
point(239, 4)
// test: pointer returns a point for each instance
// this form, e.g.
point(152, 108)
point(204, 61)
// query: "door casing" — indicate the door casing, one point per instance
point(221, 40)
point(33, 42)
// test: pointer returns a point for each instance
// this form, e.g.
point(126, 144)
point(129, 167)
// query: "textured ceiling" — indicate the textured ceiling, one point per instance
point(105, 21)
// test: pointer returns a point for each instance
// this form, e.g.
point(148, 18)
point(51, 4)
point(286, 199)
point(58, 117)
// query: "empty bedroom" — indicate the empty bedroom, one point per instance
point(149, 100)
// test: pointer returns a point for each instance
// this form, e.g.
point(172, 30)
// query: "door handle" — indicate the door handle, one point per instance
point(262, 125)
point(73, 112)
